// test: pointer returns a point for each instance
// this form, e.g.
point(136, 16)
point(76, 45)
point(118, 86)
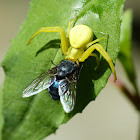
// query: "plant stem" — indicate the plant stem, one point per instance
point(133, 97)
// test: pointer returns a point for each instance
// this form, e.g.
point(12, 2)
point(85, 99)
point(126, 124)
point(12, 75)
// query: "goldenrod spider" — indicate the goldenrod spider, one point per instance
point(81, 44)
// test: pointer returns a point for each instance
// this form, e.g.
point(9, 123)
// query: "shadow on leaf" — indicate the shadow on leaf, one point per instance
point(51, 44)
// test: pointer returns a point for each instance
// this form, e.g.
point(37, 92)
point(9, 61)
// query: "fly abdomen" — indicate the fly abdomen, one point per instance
point(53, 90)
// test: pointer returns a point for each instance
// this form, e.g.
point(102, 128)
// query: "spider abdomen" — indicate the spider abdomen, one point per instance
point(80, 35)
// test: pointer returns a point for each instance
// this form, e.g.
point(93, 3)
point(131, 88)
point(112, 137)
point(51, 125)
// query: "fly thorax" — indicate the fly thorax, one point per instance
point(80, 35)
point(65, 68)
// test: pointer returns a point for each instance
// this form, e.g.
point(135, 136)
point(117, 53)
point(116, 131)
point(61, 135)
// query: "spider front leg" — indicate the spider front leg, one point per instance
point(101, 50)
point(64, 41)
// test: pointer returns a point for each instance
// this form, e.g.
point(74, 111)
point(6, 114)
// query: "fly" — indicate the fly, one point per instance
point(61, 83)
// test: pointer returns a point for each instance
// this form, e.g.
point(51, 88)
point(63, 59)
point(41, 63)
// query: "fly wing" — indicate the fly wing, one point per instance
point(67, 93)
point(40, 83)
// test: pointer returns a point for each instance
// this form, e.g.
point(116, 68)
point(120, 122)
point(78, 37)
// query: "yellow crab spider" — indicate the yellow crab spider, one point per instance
point(81, 46)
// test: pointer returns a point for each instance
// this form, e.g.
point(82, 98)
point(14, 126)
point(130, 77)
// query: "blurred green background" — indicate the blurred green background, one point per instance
point(111, 116)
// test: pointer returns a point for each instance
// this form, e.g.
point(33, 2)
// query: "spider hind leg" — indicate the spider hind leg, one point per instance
point(101, 50)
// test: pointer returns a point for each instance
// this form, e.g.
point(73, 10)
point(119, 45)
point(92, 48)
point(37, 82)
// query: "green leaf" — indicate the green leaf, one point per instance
point(36, 117)
point(125, 54)
point(1, 115)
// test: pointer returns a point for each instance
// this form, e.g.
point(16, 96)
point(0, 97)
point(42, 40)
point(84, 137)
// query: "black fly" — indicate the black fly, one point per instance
point(61, 83)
